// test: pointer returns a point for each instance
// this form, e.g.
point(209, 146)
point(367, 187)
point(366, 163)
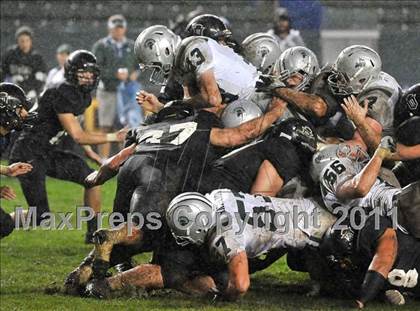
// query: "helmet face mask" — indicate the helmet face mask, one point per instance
point(354, 68)
point(300, 61)
point(10, 113)
point(190, 216)
point(82, 70)
point(155, 50)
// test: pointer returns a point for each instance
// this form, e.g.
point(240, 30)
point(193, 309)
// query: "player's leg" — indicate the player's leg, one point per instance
point(147, 197)
point(66, 165)
point(34, 189)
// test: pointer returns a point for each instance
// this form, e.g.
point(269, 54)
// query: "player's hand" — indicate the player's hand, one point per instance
point(7, 193)
point(148, 101)
point(354, 111)
point(278, 106)
point(121, 134)
point(268, 83)
point(386, 148)
point(17, 169)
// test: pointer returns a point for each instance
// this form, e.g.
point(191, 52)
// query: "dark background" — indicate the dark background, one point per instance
point(81, 23)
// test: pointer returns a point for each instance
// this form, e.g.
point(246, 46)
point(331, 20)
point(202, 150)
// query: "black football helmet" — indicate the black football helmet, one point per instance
point(338, 245)
point(408, 106)
point(10, 105)
point(17, 92)
point(78, 62)
point(175, 110)
point(208, 25)
point(299, 131)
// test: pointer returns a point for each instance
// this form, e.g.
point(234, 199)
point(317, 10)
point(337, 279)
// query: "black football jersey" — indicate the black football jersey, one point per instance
point(404, 275)
point(48, 131)
point(183, 145)
point(238, 169)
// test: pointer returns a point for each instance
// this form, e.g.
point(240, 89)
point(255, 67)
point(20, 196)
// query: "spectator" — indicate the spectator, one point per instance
point(56, 75)
point(113, 53)
point(130, 113)
point(23, 65)
point(286, 36)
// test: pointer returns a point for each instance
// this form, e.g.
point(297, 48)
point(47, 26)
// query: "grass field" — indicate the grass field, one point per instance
point(32, 261)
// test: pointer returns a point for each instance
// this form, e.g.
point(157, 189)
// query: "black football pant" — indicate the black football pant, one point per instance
point(59, 164)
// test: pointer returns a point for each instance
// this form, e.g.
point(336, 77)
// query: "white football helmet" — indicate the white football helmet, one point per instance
point(155, 49)
point(262, 51)
point(354, 68)
point(298, 60)
point(238, 112)
point(190, 216)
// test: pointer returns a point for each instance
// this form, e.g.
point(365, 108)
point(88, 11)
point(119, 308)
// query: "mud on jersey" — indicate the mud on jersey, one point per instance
point(260, 223)
point(340, 170)
point(233, 75)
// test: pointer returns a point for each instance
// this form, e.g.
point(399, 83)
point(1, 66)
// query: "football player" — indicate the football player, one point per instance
point(349, 180)
point(356, 71)
point(58, 109)
point(14, 115)
point(165, 159)
point(210, 72)
point(248, 226)
point(373, 260)
point(407, 123)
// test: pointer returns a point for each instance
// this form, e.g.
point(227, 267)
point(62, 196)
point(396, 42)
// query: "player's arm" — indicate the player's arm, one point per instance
point(406, 153)
point(310, 103)
point(149, 102)
point(268, 182)
point(230, 137)
point(209, 90)
point(381, 265)
point(110, 167)
point(369, 129)
point(239, 282)
point(72, 126)
point(359, 185)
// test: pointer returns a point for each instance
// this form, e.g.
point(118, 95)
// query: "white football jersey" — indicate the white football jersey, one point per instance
point(380, 196)
point(382, 94)
point(259, 224)
point(233, 75)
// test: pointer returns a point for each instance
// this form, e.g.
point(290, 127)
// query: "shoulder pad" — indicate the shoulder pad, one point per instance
point(385, 83)
point(184, 46)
